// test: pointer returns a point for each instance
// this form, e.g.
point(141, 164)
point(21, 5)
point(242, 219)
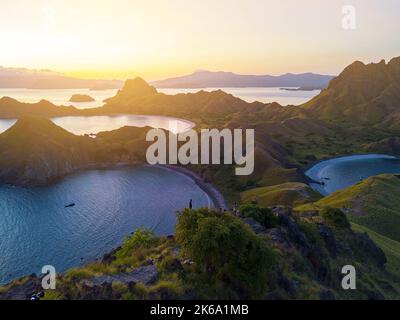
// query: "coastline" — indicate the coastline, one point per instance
point(216, 197)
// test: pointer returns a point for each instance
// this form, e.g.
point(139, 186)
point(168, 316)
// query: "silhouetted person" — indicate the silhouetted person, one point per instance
point(235, 208)
point(190, 204)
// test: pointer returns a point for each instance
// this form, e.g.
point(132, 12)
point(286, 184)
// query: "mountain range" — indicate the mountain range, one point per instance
point(208, 79)
point(47, 79)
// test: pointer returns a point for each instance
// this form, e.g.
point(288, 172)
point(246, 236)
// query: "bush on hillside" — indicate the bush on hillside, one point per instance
point(335, 218)
point(226, 249)
point(260, 214)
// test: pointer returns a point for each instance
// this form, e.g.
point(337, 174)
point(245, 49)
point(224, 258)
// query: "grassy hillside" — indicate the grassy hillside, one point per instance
point(367, 94)
point(373, 203)
point(290, 194)
point(220, 256)
point(36, 150)
point(389, 246)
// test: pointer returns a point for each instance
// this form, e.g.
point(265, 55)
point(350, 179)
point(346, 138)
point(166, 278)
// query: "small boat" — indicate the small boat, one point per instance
point(70, 205)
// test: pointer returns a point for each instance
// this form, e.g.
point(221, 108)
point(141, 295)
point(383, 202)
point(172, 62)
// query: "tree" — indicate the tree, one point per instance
point(226, 249)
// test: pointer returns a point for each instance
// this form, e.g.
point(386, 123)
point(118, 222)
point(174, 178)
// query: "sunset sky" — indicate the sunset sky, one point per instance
point(159, 38)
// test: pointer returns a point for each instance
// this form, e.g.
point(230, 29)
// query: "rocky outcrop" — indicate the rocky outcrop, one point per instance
point(133, 88)
point(145, 274)
point(22, 290)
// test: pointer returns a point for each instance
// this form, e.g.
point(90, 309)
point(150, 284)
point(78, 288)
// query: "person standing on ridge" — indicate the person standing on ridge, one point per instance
point(190, 204)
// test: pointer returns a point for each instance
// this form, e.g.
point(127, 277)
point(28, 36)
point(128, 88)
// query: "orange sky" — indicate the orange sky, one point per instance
point(158, 38)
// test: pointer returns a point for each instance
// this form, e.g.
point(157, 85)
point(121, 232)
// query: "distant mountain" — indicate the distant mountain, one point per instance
point(137, 96)
point(208, 79)
point(46, 79)
point(362, 93)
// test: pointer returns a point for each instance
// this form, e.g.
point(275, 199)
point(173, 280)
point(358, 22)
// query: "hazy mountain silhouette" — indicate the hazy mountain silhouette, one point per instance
point(47, 79)
point(207, 79)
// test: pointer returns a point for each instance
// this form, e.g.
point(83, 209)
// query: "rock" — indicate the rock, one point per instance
point(257, 227)
point(145, 274)
point(187, 261)
point(277, 236)
point(329, 239)
point(24, 291)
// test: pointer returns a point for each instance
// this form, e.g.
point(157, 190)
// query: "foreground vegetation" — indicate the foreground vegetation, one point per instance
point(268, 253)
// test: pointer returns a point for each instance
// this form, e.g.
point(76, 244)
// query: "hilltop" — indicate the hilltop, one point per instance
point(35, 150)
point(362, 93)
point(11, 108)
point(372, 203)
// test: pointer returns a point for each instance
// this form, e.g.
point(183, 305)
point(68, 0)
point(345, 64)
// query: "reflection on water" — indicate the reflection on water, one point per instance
point(37, 230)
point(58, 96)
point(95, 124)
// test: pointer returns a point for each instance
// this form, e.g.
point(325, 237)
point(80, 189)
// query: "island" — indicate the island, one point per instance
point(81, 98)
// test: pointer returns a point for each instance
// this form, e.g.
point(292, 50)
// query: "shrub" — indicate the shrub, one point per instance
point(140, 237)
point(169, 264)
point(335, 218)
point(260, 214)
point(226, 249)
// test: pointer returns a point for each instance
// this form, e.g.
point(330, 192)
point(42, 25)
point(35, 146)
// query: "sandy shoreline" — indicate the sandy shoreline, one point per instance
point(216, 197)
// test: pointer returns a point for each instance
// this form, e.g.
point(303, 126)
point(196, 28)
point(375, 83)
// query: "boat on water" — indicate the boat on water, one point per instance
point(69, 205)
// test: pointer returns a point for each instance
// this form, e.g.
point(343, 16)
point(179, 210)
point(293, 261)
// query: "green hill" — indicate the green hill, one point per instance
point(290, 193)
point(373, 203)
point(35, 150)
point(366, 94)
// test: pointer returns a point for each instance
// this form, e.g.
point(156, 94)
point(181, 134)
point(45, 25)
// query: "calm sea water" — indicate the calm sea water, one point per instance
point(37, 230)
point(62, 96)
point(95, 124)
point(265, 95)
point(59, 96)
point(339, 173)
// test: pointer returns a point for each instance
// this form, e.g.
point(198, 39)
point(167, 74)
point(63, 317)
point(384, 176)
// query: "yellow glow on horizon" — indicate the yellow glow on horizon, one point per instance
point(157, 38)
